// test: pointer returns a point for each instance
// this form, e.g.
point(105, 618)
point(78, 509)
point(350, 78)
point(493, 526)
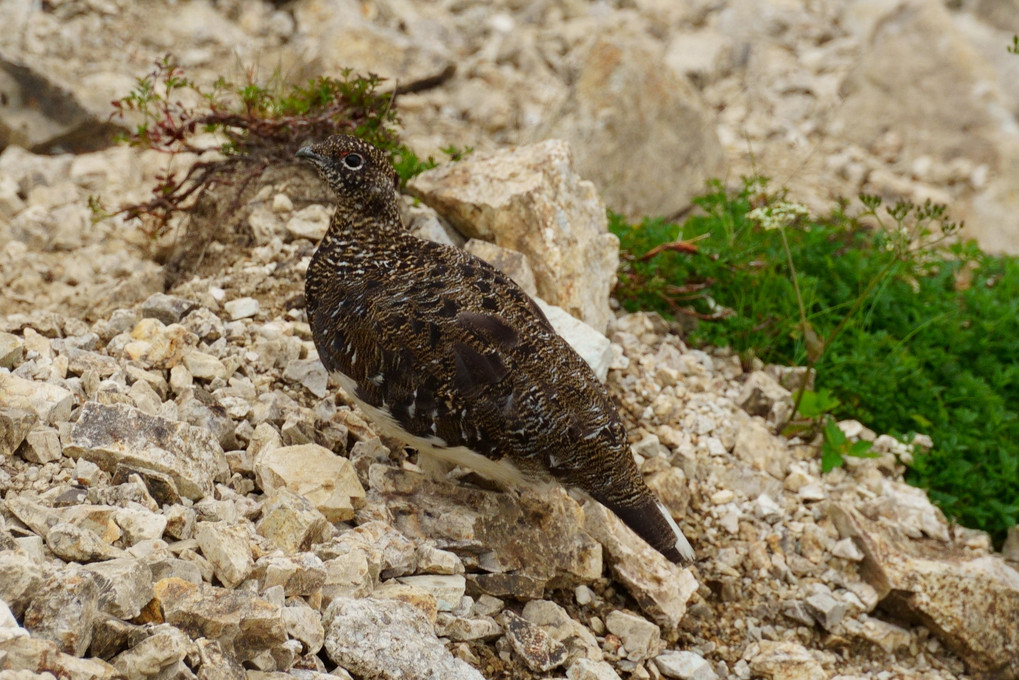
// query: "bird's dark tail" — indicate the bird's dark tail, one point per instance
point(650, 520)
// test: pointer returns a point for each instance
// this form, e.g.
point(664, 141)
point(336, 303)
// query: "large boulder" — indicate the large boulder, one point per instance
point(639, 130)
point(919, 89)
point(532, 200)
point(970, 603)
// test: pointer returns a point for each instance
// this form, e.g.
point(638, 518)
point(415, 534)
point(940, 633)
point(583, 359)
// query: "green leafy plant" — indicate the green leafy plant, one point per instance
point(817, 408)
point(909, 328)
point(257, 124)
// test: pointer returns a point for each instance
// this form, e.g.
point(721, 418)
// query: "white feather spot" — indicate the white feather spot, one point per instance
point(682, 545)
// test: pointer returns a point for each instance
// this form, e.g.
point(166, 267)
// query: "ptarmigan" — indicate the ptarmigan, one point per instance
point(449, 355)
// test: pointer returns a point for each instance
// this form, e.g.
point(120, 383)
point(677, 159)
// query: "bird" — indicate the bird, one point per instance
point(448, 355)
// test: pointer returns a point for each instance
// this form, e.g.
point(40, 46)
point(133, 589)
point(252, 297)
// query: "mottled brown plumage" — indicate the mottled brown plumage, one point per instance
point(447, 353)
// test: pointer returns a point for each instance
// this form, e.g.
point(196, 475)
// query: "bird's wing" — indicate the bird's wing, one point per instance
point(454, 351)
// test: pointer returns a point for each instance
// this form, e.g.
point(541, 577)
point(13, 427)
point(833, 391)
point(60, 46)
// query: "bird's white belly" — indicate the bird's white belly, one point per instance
point(501, 471)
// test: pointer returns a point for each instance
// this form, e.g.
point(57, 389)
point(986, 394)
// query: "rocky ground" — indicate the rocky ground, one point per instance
point(186, 494)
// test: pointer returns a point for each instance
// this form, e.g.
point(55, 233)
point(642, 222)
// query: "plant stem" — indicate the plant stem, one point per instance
point(803, 318)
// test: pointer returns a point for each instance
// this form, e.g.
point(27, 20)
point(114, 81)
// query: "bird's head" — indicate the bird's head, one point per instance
point(359, 173)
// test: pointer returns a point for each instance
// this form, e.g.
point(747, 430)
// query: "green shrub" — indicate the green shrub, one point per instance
point(908, 333)
point(259, 124)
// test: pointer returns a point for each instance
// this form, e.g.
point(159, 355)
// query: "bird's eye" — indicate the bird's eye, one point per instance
point(353, 161)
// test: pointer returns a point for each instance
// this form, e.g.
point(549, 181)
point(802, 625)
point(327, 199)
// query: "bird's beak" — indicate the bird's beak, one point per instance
point(308, 153)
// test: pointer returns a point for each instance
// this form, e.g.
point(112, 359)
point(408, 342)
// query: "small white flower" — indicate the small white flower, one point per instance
point(778, 215)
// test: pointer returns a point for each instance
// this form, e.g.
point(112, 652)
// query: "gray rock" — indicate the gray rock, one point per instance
point(641, 638)
point(486, 605)
point(333, 41)
point(228, 548)
point(172, 567)
point(965, 126)
point(661, 588)
point(167, 308)
point(520, 199)
point(12, 350)
point(539, 650)
point(292, 522)
point(15, 424)
point(136, 490)
point(42, 445)
point(621, 79)
point(36, 516)
point(424, 223)
point(351, 574)
point(215, 664)
point(197, 407)
point(20, 579)
point(518, 586)
point(419, 598)
point(126, 584)
point(70, 118)
point(887, 636)
point(684, 666)
point(120, 434)
point(309, 372)
point(140, 524)
point(205, 366)
point(77, 544)
point(767, 509)
point(797, 611)
point(242, 308)
point(826, 610)
point(588, 669)
point(244, 625)
point(156, 655)
point(305, 624)
point(43, 657)
point(79, 361)
point(309, 223)
point(464, 629)
point(554, 620)
point(355, 560)
point(64, 610)
point(300, 575)
point(9, 627)
point(10, 202)
point(447, 590)
point(204, 324)
point(432, 560)
point(524, 541)
point(970, 603)
point(847, 550)
point(758, 447)
point(156, 345)
point(992, 215)
point(388, 640)
point(783, 661)
point(911, 511)
point(327, 480)
point(51, 403)
point(762, 396)
point(702, 56)
point(141, 395)
point(397, 553)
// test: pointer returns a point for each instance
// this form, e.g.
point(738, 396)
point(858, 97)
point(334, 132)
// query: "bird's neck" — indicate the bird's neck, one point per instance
point(375, 222)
